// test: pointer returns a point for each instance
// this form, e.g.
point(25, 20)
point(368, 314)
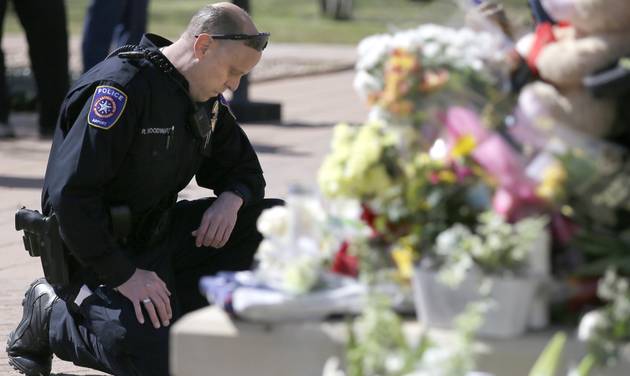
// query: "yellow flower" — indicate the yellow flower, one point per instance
point(403, 257)
point(464, 146)
point(552, 184)
point(401, 108)
point(432, 81)
point(546, 192)
point(391, 92)
point(373, 182)
point(555, 173)
point(423, 159)
point(447, 176)
point(403, 60)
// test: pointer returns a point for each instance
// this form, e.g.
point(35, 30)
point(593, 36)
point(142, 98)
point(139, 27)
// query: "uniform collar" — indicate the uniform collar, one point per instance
point(155, 42)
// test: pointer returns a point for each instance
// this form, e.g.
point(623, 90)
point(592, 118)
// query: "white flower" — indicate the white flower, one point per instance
point(372, 51)
point(366, 84)
point(590, 324)
point(273, 222)
point(332, 368)
point(301, 275)
point(431, 49)
point(376, 114)
point(455, 273)
point(606, 288)
point(439, 150)
point(394, 363)
point(430, 31)
point(449, 240)
point(621, 308)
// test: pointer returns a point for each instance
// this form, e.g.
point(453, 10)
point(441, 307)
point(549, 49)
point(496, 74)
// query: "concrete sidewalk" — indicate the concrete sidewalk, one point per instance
point(290, 152)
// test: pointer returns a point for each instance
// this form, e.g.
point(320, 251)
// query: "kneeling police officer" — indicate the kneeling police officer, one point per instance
point(132, 132)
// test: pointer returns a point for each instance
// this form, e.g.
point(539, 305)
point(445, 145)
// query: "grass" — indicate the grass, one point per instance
point(297, 20)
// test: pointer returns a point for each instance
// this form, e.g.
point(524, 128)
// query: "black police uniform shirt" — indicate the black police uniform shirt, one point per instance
point(123, 138)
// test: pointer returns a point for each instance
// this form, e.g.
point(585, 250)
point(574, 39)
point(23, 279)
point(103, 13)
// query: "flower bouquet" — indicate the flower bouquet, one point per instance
point(408, 76)
point(490, 263)
point(295, 276)
point(606, 331)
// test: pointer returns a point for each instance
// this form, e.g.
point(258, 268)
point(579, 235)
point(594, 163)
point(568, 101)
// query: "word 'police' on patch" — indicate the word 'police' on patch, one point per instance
point(108, 103)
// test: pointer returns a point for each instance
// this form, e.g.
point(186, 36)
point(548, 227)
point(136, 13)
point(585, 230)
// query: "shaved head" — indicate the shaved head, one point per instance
point(220, 45)
point(221, 18)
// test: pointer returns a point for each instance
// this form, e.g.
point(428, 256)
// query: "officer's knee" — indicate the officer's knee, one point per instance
point(271, 202)
point(144, 348)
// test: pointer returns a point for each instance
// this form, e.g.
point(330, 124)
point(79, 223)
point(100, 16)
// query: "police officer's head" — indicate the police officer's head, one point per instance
point(220, 45)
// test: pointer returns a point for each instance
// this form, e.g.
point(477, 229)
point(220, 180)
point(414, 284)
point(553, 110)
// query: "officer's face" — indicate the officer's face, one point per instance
point(220, 67)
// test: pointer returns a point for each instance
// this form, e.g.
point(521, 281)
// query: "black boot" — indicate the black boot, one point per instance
point(28, 346)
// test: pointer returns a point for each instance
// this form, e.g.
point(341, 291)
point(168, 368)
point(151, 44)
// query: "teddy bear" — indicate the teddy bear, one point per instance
point(588, 36)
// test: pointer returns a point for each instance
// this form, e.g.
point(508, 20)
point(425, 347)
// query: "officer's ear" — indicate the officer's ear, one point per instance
point(203, 42)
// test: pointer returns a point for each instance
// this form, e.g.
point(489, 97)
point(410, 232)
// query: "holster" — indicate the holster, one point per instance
point(42, 239)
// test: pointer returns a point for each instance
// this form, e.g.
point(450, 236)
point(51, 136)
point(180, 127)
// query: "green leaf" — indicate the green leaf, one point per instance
point(548, 361)
point(598, 268)
point(586, 365)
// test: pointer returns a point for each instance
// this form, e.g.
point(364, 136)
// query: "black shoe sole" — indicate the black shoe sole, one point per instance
point(22, 364)
point(25, 366)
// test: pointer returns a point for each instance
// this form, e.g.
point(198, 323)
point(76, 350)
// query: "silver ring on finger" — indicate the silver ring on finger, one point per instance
point(147, 301)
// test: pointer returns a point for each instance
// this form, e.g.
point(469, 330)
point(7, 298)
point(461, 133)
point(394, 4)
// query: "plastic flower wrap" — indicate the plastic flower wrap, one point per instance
point(586, 186)
point(403, 76)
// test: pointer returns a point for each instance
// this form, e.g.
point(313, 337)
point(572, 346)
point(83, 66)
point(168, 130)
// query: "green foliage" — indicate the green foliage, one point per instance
point(548, 361)
point(376, 339)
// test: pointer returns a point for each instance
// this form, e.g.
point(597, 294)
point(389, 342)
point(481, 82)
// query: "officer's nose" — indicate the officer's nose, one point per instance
point(233, 84)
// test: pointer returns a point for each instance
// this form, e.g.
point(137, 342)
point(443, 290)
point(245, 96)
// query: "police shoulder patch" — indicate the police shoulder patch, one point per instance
point(108, 103)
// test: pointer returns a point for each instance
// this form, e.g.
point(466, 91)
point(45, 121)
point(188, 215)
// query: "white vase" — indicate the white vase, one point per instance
point(437, 304)
point(540, 269)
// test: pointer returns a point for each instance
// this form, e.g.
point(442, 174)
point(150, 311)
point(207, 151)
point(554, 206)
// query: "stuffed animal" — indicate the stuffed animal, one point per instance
point(589, 35)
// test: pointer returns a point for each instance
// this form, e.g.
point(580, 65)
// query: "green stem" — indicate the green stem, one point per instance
point(586, 365)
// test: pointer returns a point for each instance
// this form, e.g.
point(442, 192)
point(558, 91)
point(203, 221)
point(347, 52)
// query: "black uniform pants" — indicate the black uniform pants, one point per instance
point(44, 22)
point(104, 334)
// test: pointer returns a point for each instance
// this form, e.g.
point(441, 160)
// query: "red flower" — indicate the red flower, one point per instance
point(345, 263)
point(368, 216)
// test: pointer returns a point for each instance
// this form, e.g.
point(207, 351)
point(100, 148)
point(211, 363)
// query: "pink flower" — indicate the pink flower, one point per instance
point(516, 204)
point(434, 177)
point(516, 193)
point(460, 121)
point(461, 171)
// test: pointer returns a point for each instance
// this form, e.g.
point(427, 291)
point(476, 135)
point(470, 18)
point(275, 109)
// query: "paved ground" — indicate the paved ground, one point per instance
point(290, 152)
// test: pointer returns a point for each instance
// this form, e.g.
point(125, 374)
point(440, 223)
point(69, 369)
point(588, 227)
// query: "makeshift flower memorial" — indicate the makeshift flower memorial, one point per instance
point(395, 184)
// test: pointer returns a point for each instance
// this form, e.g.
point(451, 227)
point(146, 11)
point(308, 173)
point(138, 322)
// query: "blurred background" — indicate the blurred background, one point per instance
point(296, 20)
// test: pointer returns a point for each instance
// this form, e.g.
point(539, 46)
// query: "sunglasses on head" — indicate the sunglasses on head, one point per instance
point(255, 41)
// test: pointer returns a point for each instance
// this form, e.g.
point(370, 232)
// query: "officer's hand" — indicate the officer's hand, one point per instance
point(146, 288)
point(218, 221)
